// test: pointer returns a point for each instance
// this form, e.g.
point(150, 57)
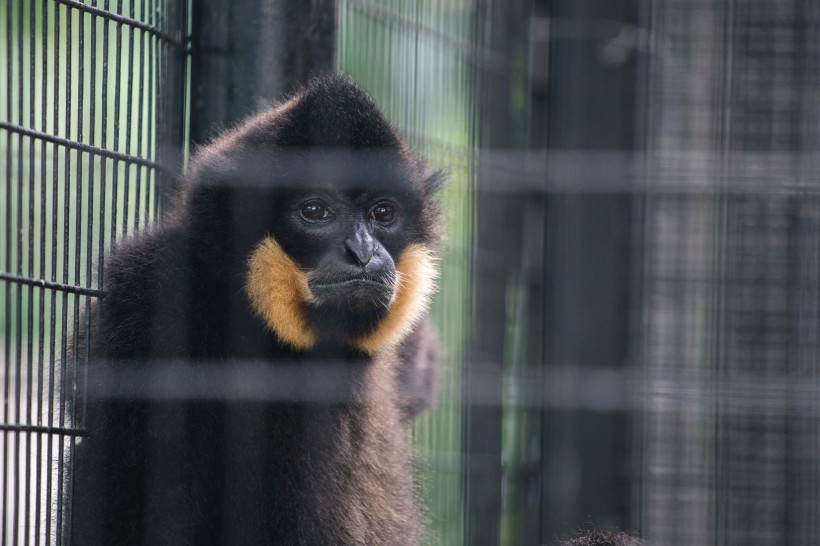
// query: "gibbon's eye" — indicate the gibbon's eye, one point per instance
point(315, 211)
point(383, 212)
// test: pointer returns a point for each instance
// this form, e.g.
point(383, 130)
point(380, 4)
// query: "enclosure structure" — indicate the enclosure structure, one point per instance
point(92, 130)
point(629, 302)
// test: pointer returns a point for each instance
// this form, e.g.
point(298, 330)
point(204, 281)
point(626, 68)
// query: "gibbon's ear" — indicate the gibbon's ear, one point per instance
point(433, 180)
point(430, 217)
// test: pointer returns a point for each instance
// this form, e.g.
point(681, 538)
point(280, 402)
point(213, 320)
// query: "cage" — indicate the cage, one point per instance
point(628, 303)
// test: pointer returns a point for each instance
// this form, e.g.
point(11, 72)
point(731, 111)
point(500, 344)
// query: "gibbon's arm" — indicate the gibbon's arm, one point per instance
point(419, 359)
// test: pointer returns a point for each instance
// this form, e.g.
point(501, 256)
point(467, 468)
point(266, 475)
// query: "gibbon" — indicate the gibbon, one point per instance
point(304, 241)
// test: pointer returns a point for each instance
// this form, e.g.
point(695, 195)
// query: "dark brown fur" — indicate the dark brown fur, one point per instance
point(602, 537)
point(176, 470)
point(369, 470)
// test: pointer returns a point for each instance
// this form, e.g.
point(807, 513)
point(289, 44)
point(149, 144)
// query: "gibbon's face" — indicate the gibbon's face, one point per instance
point(344, 261)
point(338, 212)
point(344, 240)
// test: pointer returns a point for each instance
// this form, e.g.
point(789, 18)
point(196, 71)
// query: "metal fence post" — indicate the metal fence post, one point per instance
point(587, 252)
point(248, 53)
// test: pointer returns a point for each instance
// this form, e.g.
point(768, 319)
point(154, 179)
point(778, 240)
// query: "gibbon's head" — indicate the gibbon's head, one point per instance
point(342, 216)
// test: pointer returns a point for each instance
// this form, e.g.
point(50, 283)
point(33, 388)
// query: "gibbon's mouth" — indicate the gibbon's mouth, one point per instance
point(324, 280)
point(360, 291)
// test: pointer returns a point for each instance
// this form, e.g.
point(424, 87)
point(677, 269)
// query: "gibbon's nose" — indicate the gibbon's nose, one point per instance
point(360, 246)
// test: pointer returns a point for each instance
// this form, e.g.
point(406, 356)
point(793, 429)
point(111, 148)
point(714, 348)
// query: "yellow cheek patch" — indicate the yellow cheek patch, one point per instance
point(417, 273)
point(277, 289)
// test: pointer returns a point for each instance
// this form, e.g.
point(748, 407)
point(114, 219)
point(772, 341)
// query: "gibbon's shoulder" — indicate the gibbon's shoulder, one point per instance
point(140, 261)
point(134, 275)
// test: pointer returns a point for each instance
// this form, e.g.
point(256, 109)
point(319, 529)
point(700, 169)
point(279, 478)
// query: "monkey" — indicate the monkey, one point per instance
point(305, 240)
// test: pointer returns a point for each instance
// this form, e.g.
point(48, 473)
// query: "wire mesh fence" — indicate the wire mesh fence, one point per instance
point(728, 298)
point(629, 298)
point(91, 126)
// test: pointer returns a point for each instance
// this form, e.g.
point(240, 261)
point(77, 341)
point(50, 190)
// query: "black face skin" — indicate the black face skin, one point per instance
point(348, 242)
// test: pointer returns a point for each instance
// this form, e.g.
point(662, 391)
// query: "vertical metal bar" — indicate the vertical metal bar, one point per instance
point(104, 161)
point(138, 212)
point(482, 425)
point(92, 169)
point(162, 110)
point(8, 513)
point(150, 151)
point(186, 136)
point(19, 269)
point(180, 74)
point(65, 296)
point(30, 272)
point(163, 100)
point(179, 55)
point(42, 273)
point(90, 233)
point(470, 253)
point(586, 280)
point(128, 118)
point(80, 186)
point(227, 87)
point(117, 107)
point(53, 307)
point(157, 105)
point(151, 148)
point(172, 105)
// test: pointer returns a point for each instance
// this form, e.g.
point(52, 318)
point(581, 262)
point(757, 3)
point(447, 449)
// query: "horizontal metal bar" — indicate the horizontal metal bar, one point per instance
point(59, 431)
point(678, 172)
point(70, 288)
point(74, 145)
point(554, 385)
point(176, 42)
